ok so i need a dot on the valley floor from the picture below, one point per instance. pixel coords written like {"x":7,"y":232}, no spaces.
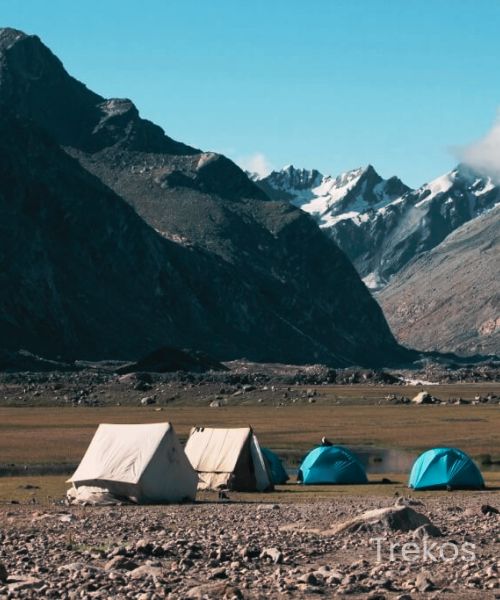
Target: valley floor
{"x":54,"y":428}
{"x":270,"y":545}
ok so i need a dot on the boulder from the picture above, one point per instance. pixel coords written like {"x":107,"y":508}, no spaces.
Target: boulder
{"x":424,"y":398}
{"x":391,"y":518}
{"x":147,"y":400}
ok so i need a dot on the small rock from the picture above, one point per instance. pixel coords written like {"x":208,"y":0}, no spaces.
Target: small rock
{"x":146,"y":571}
{"x":120,"y":562}
{"x":213,"y":590}
{"x":17,"y":584}
{"x":144,"y":547}
{"x":486,"y":509}
{"x":219,"y":573}
{"x":274,"y":554}
{"x":404,"y":501}
{"x":308,"y":578}
{"x":423,"y":583}
{"x":67,"y":518}
{"x":249,"y":552}
{"x":268,"y":506}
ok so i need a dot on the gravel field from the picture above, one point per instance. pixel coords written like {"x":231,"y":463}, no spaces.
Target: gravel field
{"x":248,"y":550}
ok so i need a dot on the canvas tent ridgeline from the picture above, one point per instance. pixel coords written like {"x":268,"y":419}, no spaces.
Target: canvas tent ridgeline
{"x":228,"y":459}
{"x":331,"y":465}
{"x":445,"y":468}
{"x":142,"y":463}
{"x":278,"y":472}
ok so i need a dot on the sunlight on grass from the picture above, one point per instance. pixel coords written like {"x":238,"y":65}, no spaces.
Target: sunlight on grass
{"x":59,"y":435}
{"x":46,"y":490}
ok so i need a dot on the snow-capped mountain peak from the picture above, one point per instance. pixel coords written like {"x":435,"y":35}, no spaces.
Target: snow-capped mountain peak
{"x":332,"y":199}
{"x":460,"y":181}
{"x":290,"y":179}
{"x":381,"y":224}
{"x":352,"y":176}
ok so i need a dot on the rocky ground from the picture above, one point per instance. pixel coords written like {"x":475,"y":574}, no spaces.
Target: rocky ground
{"x":242,"y":383}
{"x":248,"y":550}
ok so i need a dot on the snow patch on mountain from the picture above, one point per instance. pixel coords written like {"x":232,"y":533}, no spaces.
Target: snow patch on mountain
{"x":438,"y":186}
{"x":381,"y":224}
{"x":373,"y":281}
{"x":353,"y":195}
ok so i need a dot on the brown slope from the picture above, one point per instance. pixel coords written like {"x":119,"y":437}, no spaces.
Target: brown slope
{"x":448,"y":299}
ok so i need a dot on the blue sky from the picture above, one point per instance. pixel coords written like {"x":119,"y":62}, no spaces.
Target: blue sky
{"x":331,"y":84}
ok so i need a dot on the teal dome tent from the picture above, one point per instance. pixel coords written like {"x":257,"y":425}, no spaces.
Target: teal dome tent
{"x":278,"y":473}
{"x":331,"y":465}
{"x":445,"y":467}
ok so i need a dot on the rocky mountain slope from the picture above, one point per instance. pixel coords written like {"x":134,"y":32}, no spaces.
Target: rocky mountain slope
{"x":227,"y":271}
{"x":448,"y":299}
{"x":81,"y":274}
{"x":381,"y":224}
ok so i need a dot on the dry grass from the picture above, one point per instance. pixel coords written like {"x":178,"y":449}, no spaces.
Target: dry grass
{"x":46,"y":489}
{"x":53,"y":487}
{"x":56,"y":435}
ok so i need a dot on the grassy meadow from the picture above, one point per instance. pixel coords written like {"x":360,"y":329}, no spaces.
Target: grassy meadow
{"x":44,"y":434}
{"x":56,"y":435}
{"x":47,"y":488}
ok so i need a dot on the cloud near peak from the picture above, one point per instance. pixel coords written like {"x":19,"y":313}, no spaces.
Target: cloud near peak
{"x":256,"y":163}
{"x":483,"y":155}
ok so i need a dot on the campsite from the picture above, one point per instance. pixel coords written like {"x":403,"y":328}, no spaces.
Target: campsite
{"x":246,"y":544}
{"x":249,"y":300}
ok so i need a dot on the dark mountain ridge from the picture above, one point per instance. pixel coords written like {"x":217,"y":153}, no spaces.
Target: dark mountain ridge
{"x":227,"y":271}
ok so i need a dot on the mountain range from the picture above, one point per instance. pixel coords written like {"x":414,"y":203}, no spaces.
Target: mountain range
{"x":382,"y":224}
{"x":430,"y":255}
{"x":117,"y":239}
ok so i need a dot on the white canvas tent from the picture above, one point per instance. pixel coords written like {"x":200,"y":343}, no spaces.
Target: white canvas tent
{"x":143,"y":463}
{"x":228,"y":459}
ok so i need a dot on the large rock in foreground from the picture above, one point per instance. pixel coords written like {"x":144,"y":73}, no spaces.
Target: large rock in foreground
{"x":391,"y":518}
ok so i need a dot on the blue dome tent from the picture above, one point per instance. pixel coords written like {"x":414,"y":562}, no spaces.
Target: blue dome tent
{"x":278,"y":472}
{"x":445,"y":467}
{"x":331,"y":465}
